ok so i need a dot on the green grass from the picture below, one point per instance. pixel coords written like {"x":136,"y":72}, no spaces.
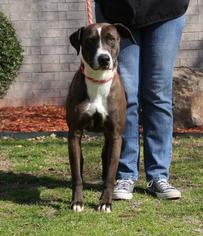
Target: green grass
{"x":35,"y":193}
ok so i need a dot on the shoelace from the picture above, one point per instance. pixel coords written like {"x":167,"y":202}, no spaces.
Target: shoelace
{"x":123,"y":184}
{"x":162,"y":183}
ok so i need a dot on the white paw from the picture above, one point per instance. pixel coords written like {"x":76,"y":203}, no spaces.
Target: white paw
{"x":105,"y":208}
{"x":77,"y":208}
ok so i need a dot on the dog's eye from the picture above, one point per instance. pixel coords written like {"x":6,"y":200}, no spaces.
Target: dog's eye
{"x":90,"y":41}
{"x":111,"y":42}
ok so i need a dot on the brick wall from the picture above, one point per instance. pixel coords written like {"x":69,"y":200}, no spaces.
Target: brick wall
{"x":191,"y":49}
{"x":49,"y":60}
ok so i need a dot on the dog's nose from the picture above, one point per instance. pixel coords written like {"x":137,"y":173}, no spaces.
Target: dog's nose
{"x":104,"y":60}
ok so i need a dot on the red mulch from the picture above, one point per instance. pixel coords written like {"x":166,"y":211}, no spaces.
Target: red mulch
{"x":192,"y":130}
{"x":44,"y":118}
{"x":27,"y":119}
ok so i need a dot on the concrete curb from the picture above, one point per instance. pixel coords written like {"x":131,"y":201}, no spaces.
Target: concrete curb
{"x":64,"y":134}
{"x":27,"y":135}
{"x":188,"y":135}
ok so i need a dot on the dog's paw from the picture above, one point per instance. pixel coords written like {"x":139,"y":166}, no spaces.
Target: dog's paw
{"x":77,"y":207}
{"x":105,"y":208}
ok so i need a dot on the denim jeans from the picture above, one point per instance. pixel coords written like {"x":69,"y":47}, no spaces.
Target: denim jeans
{"x":146,"y":69}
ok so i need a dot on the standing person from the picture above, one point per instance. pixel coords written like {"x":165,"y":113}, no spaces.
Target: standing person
{"x":146,"y":69}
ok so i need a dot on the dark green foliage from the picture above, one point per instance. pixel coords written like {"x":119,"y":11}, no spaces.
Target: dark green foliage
{"x":10,"y":54}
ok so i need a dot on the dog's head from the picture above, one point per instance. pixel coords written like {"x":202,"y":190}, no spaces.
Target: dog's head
{"x":100,"y":44}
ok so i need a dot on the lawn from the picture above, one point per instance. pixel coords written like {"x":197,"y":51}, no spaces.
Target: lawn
{"x":35,"y":193}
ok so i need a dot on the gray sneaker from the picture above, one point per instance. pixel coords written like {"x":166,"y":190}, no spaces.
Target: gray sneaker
{"x":162,"y":189}
{"x":123,"y":189}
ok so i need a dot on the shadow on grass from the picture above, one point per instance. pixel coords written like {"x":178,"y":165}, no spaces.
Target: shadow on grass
{"x":140,"y":190}
{"x":25,"y":188}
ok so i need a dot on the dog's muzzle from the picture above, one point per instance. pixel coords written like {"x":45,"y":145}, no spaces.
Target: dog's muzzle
{"x":104,"y":61}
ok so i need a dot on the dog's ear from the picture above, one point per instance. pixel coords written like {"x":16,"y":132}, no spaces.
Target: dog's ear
{"x":76,"y":38}
{"x":124,"y":32}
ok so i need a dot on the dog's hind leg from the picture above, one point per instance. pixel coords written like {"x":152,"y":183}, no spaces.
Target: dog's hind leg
{"x":75,"y":156}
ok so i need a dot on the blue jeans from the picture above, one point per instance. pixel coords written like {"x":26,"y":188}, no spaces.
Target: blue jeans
{"x":146,"y":69}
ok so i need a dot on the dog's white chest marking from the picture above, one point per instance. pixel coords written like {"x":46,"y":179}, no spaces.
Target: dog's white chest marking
{"x":98,"y":94}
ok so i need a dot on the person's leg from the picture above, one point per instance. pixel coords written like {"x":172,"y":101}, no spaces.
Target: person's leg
{"x":129,"y":67}
{"x":129,"y":70}
{"x":160,"y":44}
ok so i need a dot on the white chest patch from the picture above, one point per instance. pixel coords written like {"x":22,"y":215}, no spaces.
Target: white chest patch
{"x":98,"y":94}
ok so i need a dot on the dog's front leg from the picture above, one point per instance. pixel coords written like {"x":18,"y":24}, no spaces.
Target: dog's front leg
{"x":112,"y":164}
{"x":75,"y":164}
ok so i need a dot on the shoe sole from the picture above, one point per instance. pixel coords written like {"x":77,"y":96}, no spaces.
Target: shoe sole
{"x":166,"y":195}
{"x":122,"y":196}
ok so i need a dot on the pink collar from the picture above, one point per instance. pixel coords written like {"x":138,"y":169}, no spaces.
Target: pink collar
{"x":82,"y":68}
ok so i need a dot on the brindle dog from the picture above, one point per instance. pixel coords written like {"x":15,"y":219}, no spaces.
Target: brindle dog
{"x":96,"y":102}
